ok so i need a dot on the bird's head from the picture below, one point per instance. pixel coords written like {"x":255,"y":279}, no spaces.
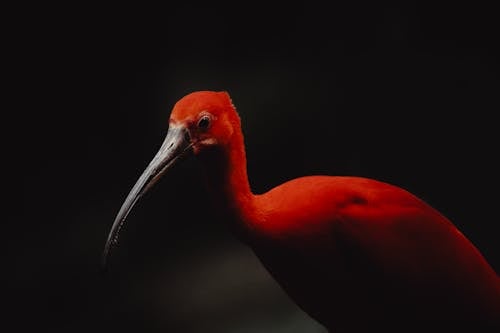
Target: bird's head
{"x":200,"y":121}
{"x":207,"y":119}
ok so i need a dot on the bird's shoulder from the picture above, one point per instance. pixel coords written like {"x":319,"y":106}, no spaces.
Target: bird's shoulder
{"x":314,"y":202}
{"x":337,"y":192}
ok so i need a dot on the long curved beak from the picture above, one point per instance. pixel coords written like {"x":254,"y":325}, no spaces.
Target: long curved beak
{"x":175,"y":146}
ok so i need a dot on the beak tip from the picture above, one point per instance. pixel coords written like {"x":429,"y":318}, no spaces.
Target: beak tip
{"x":105,"y":257}
{"x":104,"y":263}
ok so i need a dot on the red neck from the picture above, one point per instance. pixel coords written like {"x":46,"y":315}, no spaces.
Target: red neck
{"x":227,"y":180}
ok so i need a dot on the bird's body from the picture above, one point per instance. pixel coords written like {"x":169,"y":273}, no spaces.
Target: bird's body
{"x":356,"y":254}
{"x":373,"y":256}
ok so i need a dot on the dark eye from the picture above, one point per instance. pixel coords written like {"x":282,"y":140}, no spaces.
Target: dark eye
{"x":204,"y":122}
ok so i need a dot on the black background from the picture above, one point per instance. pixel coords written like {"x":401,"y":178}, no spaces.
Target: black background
{"x":407,"y":94}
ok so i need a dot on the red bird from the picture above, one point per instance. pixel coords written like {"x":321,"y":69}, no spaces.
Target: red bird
{"x":356,"y":254}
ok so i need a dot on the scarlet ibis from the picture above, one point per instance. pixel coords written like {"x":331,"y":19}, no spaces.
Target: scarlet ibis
{"x":356,"y":254}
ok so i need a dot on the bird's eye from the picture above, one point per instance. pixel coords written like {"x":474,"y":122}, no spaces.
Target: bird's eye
{"x":204,"y":122}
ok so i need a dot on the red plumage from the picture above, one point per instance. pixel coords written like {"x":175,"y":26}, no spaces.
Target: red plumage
{"x":356,"y":254}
